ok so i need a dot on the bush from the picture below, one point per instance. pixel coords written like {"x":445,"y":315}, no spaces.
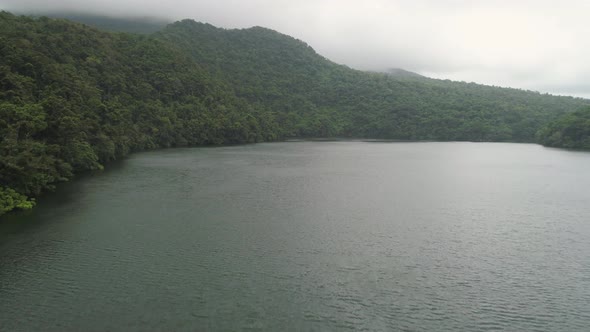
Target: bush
{"x":11,"y":200}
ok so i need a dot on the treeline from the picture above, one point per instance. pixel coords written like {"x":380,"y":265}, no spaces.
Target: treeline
{"x":571,"y":131}
{"x":73,"y":98}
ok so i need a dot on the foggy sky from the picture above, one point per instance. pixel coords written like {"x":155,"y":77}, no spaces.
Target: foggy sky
{"x":539,"y":45}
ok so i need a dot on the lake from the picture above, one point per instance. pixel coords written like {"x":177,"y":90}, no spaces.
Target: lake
{"x":308,"y":236}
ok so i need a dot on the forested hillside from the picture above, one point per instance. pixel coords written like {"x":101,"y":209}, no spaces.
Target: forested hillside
{"x":317,"y":97}
{"x":570,"y":131}
{"x":73,"y":98}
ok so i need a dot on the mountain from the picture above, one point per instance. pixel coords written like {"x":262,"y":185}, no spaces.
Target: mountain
{"x":316,"y":97}
{"x":73,"y":98}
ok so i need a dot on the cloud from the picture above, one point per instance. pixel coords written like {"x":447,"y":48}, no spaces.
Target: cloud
{"x":538,"y":45}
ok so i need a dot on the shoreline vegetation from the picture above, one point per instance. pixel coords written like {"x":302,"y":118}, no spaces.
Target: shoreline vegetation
{"x":74,"y":98}
{"x":570,"y":131}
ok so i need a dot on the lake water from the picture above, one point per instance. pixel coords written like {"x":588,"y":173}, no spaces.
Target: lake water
{"x":308,"y":236}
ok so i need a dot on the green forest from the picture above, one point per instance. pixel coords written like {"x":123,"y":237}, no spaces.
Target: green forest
{"x":571,"y":131}
{"x":73,"y":98}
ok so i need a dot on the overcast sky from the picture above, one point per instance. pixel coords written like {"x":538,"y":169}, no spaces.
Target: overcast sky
{"x":539,"y":45}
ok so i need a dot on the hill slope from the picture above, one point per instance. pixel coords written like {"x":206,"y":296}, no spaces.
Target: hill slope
{"x":570,"y":131}
{"x":73,"y":98}
{"x":318,"y":97}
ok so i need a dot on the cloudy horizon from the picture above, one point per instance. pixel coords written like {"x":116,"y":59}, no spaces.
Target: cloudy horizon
{"x":532,"y":45}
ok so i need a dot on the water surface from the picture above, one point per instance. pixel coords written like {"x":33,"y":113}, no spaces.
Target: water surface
{"x":308,"y":236}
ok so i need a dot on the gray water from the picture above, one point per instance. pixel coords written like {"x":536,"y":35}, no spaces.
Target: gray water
{"x":308,"y":236}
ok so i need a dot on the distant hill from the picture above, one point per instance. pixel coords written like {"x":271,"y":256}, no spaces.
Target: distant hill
{"x":73,"y":98}
{"x":316,"y":97}
{"x":140,"y":25}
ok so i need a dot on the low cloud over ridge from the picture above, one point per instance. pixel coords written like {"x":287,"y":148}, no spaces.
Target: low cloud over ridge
{"x":538,"y":45}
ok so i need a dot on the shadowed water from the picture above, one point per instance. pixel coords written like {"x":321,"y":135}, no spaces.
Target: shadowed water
{"x":308,"y":236}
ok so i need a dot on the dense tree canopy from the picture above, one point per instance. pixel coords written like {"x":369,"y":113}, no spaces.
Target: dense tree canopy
{"x":73,"y":98}
{"x":570,"y":131}
{"x":316,"y":97}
